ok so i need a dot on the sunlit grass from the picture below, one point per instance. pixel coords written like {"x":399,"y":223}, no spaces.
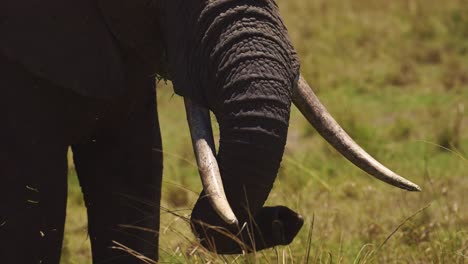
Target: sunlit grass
{"x":395,"y":75}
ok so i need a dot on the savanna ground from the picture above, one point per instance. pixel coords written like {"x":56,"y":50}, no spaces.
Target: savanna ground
{"x":395,"y":75}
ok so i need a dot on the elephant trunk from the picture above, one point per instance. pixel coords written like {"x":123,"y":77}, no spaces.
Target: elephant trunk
{"x":250,"y":93}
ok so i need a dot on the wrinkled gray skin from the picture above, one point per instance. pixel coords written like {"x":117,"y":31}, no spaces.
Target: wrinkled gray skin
{"x":232,"y":56}
{"x":249,"y":67}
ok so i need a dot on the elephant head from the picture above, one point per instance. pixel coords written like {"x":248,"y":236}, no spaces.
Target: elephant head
{"x":235,"y":59}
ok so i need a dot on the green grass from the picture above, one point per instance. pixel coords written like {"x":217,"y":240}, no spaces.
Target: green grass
{"x":395,"y":75}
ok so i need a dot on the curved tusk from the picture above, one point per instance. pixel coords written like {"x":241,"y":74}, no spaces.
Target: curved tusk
{"x":198,"y":119}
{"x":310,"y":106}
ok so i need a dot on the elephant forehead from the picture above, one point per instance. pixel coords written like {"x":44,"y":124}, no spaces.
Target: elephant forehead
{"x":64,"y":41}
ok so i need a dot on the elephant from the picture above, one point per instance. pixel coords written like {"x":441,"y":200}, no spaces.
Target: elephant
{"x":81,"y":74}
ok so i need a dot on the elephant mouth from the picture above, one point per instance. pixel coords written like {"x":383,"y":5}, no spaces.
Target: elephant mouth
{"x":317,"y":115}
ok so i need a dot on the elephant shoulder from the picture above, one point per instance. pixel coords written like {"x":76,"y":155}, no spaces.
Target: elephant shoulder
{"x":64,"y":41}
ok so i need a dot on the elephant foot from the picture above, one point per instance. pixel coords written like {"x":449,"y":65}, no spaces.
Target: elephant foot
{"x":271,"y":226}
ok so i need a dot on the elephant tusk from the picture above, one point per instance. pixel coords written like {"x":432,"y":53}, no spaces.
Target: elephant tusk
{"x":318,"y":116}
{"x":198,"y":119}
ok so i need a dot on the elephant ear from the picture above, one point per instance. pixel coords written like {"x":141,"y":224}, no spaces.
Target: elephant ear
{"x":135,"y":25}
{"x":64,"y":41}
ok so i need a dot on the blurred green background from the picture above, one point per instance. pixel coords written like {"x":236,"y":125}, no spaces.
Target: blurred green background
{"x":395,"y":75}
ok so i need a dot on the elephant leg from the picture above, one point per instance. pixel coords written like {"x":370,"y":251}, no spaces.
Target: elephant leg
{"x":33,"y":193}
{"x":37,"y":122}
{"x":120,"y":172}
